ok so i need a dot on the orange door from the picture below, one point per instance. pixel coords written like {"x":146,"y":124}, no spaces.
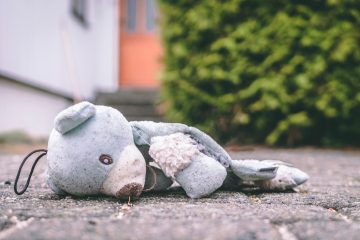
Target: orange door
{"x":140,"y":49}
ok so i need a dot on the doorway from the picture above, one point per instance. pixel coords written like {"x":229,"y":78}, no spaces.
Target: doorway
{"x":140,"y":48}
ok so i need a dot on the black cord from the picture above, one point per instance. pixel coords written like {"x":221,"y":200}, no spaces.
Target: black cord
{"x":154,"y":179}
{"x":44,"y":152}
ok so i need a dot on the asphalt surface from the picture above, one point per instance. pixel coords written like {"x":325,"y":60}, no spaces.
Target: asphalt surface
{"x":326,"y":207}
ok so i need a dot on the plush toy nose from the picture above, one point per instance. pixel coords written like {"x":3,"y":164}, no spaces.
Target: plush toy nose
{"x":127,"y":177}
{"x":130,"y":190}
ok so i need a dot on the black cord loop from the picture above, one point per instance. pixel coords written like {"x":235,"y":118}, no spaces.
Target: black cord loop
{"x":44,"y":152}
{"x":154,"y":179}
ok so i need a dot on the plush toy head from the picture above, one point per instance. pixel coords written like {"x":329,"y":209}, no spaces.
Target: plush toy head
{"x":91,"y":151}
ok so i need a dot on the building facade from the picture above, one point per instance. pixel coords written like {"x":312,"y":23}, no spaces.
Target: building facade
{"x":54,"y":53}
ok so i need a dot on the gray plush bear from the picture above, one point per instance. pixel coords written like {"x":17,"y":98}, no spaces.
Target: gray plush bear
{"x":94,"y":150}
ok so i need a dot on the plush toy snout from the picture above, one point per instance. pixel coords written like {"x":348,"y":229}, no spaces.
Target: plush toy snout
{"x":127,"y":177}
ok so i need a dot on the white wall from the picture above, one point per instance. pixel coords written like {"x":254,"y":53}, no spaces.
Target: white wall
{"x":29,"y":110}
{"x":40,"y":41}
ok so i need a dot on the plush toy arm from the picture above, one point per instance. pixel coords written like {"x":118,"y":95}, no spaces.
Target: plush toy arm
{"x":143,"y":131}
{"x":179,"y":157}
{"x":209,"y":147}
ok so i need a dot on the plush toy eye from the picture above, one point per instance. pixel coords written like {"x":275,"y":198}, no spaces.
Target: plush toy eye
{"x":105,"y":159}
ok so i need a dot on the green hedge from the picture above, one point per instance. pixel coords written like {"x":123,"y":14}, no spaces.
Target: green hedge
{"x":274,"y":72}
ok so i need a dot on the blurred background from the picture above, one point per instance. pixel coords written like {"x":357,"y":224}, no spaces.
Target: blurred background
{"x":247,"y":72}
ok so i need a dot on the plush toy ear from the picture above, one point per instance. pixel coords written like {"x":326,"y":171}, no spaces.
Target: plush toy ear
{"x":73,"y":116}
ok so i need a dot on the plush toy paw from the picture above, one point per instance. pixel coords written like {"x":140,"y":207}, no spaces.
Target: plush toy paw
{"x":179,"y":157}
{"x":202,"y":177}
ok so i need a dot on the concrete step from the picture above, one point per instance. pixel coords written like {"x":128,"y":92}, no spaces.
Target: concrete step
{"x":135,"y":104}
{"x":129,"y":96}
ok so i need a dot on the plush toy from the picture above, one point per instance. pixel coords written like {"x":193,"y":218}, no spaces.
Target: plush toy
{"x":94,"y":150}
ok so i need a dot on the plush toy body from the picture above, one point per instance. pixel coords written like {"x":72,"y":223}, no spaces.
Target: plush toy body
{"x":95,"y":150}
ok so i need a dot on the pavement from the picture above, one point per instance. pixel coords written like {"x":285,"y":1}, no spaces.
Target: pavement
{"x":326,"y":207}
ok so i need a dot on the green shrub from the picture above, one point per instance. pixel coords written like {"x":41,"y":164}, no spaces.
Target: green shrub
{"x":274,"y":72}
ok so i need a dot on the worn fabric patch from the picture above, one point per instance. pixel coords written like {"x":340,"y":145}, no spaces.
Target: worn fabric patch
{"x":173,"y":152}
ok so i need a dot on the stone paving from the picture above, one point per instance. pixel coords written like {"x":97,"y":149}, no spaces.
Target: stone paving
{"x":327,"y":207}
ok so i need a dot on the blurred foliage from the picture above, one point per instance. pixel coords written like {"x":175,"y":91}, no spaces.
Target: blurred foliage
{"x":16,"y":136}
{"x":274,"y":72}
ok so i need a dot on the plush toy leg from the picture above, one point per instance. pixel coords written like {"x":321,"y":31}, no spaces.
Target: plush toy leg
{"x":267,"y":174}
{"x":287,"y":177}
{"x":202,"y":177}
{"x":241,"y":173}
{"x":253,"y":170}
